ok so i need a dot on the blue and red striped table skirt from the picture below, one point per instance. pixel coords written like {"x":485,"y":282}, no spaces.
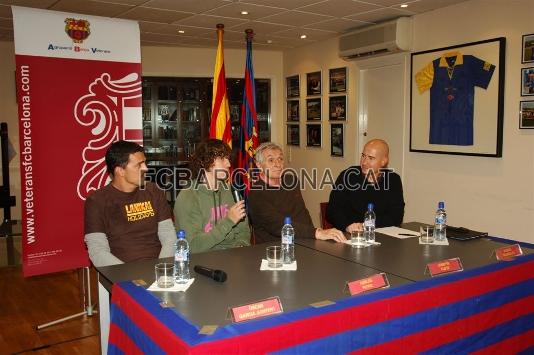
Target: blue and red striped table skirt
{"x":484,"y":310}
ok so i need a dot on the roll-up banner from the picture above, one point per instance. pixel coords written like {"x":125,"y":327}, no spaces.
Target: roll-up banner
{"x":78,"y":90}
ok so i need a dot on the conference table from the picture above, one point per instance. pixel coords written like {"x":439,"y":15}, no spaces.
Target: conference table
{"x":407,"y":258}
{"x":489,"y":306}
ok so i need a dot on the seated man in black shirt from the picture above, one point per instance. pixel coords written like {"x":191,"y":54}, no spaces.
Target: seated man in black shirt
{"x":370,"y":182}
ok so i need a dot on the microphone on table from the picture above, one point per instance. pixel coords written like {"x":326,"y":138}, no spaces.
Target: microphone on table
{"x":217,"y":275}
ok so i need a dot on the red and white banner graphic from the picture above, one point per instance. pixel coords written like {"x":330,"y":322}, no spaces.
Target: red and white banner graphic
{"x":78,"y":90}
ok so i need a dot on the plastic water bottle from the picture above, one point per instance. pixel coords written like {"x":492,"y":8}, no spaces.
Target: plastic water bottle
{"x":181,"y":258}
{"x":440,"y":223}
{"x":288,"y":242}
{"x":369,"y":223}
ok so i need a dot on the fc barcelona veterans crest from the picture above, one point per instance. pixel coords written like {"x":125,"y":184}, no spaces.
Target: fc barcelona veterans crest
{"x":77,"y":29}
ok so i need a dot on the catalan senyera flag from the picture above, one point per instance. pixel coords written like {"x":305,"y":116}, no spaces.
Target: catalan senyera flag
{"x":221,"y":127}
{"x":248,"y":140}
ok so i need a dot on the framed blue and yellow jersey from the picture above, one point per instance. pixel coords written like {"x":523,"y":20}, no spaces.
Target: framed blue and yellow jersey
{"x":452,"y":79}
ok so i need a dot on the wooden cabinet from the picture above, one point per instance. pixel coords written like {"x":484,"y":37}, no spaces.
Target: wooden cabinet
{"x":176,"y":114}
{"x":175,"y":117}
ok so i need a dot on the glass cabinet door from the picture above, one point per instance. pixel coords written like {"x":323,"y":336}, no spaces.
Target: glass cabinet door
{"x":192,"y":105}
{"x":147,"y":116}
{"x":176,"y":114}
{"x":263,"y":108}
{"x":166,"y":131}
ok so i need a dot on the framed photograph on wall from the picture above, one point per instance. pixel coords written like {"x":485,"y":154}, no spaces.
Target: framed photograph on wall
{"x":293,"y":86}
{"x":457,"y":99}
{"x":293,"y":134}
{"x":337,"y":108}
{"x":527,"y":54}
{"x":313,"y":83}
{"x":526,"y":114}
{"x":527,"y":81}
{"x":313,"y":135}
{"x":336,"y":140}
{"x":338,"y":80}
{"x":293,"y":110}
{"x":313,"y":109}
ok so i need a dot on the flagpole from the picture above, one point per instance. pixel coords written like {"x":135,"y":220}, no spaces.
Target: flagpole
{"x":248,"y":140}
{"x":220,"y":127}
{"x":249,"y":34}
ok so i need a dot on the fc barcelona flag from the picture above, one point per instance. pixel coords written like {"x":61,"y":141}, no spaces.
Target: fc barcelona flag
{"x":220,"y":114}
{"x":248,"y":141}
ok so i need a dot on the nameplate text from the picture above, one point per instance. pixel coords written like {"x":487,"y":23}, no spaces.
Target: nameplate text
{"x":445,"y":266}
{"x":508,"y":252}
{"x":369,"y":283}
{"x":255,"y":310}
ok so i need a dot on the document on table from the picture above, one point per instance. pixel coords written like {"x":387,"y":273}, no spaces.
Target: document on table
{"x":397,"y":232}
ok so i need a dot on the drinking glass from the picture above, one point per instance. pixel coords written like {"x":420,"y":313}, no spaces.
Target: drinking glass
{"x":357,"y":239}
{"x":165,"y":275}
{"x":427,"y":234}
{"x":274,"y":256}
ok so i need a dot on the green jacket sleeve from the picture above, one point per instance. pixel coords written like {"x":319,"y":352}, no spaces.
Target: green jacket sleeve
{"x":242,"y":233}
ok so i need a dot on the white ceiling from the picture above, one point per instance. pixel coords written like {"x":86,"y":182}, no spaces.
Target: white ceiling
{"x":277,"y":24}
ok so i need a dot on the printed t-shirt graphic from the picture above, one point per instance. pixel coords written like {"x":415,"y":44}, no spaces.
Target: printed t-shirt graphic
{"x":452,"y":79}
{"x":139,"y":210}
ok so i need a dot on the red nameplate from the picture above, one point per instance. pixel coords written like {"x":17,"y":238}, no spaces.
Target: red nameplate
{"x":256,"y":309}
{"x":368,"y":284}
{"x":445,"y":266}
{"x":509,"y":252}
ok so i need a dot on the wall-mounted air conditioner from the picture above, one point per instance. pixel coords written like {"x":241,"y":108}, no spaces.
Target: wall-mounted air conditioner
{"x":384,"y":38}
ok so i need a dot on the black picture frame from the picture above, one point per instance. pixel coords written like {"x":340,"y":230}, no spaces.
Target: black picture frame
{"x":336,"y":139}
{"x":337,"y":108}
{"x":313,"y":83}
{"x":313,"y":135}
{"x":486,"y":118}
{"x":527,"y":49}
{"x":293,"y":110}
{"x":526,"y":115}
{"x":313,"y":109}
{"x":293,"y":134}
{"x":293,"y":86}
{"x":527,"y":81}
{"x":338,"y":80}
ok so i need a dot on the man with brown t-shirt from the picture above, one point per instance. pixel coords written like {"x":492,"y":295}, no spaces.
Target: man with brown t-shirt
{"x":128,"y":219}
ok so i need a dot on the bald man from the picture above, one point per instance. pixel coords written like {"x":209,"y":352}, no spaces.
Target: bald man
{"x":370,"y":182}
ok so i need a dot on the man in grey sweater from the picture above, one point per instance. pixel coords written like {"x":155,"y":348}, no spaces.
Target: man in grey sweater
{"x":128,"y":219}
{"x":270,"y":201}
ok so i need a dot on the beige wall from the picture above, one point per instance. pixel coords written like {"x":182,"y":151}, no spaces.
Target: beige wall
{"x":194,"y":62}
{"x":321,"y":56}
{"x":490,"y":194}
